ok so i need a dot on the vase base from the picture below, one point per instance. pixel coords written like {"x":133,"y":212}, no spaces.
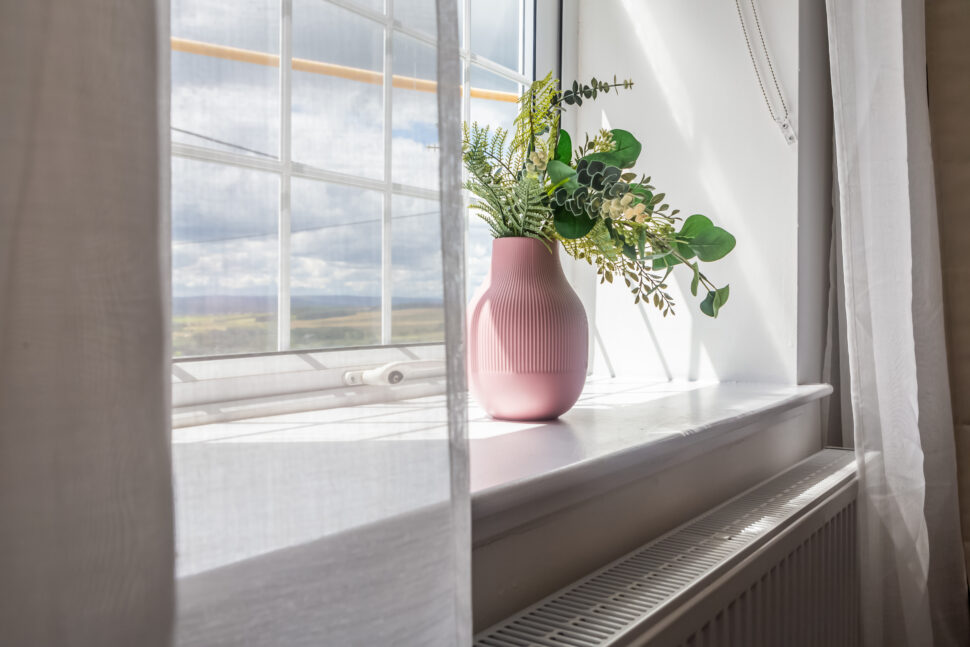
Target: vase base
{"x":527,"y":397}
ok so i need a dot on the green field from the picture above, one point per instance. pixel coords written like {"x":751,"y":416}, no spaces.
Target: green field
{"x":314,"y":327}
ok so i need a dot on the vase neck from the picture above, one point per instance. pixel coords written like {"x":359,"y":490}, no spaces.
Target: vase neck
{"x":517,"y":256}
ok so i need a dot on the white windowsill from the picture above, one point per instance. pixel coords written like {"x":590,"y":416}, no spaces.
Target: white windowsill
{"x":619,"y":430}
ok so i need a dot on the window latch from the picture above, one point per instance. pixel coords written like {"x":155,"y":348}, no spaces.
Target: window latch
{"x":395,"y":373}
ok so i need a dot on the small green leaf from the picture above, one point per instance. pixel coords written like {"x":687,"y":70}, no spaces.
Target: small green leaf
{"x":712,"y":244}
{"x":714,"y":300}
{"x":564,"y":149}
{"x":642,"y":242}
{"x":558,"y":171}
{"x":694,"y":225}
{"x":571,"y":227}
{"x":696,"y":280}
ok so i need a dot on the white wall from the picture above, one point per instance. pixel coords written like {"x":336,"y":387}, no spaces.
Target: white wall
{"x":711,"y":146}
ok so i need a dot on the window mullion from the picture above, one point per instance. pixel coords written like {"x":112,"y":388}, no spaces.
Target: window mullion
{"x":286,"y":69}
{"x":466,"y":109}
{"x":386,"y":260}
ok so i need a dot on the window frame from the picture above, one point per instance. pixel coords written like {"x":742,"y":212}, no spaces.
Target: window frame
{"x":286,"y":169}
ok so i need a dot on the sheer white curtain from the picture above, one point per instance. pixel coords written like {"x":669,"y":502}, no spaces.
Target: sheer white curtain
{"x":86,"y":545}
{"x":333,"y":530}
{"x":343,"y":526}
{"x":914,"y":587}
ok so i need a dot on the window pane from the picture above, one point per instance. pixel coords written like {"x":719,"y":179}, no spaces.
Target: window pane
{"x":419,"y":15}
{"x":373,"y":5}
{"x":414,"y":148}
{"x":417,"y":313}
{"x":496,"y":31}
{"x":493,"y":103}
{"x":247,"y":24}
{"x":337,"y":121}
{"x":224,"y":259}
{"x":493,"y":98}
{"x":225,"y":105}
{"x":335,"y":265}
{"x":218,"y":100}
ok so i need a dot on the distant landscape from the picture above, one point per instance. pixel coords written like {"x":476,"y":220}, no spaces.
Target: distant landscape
{"x":221,"y":325}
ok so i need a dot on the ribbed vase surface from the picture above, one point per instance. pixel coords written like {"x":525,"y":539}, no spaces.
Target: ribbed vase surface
{"x":527,"y":334}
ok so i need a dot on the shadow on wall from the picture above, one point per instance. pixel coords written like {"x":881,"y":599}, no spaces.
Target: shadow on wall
{"x":711,"y":146}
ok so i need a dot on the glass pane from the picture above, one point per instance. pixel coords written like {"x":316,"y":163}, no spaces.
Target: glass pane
{"x":493,"y":102}
{"x":224,"y":259}
{"x":496,"y":31}
{"x":247,"y":24}
{"x":224,"y":96}
{"x":335,"y":265}
{"x":337,"y":99}
{"x":374,"y":5}
{"x":225,"y":105}
{"x":478,"y":253}
{"x":417,"y":311}
{"x":419,"y":15}
{"x":414,"y":148}
{"x":494,"y":99}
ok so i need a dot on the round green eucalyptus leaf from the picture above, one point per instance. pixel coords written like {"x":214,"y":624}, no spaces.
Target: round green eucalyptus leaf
{"x":570,"y":225}
{"x":712,"y":244}
{"x":694,"y":225}
{"x":626,"y":150}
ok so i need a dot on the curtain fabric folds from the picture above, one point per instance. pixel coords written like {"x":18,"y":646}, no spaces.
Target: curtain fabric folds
{"x":281,"y":539}
{"x":914,"y":588}
{"x":285,"y":539}
{"x":86,"y":546}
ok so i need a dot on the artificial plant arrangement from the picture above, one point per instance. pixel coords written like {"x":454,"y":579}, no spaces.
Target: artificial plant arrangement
{"x":534,"y":183}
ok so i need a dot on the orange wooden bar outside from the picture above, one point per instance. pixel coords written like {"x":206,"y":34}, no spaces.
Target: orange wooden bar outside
{"x":329,"y":69}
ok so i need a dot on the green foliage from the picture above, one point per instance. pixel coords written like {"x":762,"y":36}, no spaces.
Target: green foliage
{"x":535,"y":184}
{"x":578,"y":91}
{"x":564,"y":146}
{"x":626,"y":150}
{"x":562,"y":176}
{"x":712,"y":244}
{"x":538,"y":115}
{"x":571,"y":226}
{"x":511,"y":206}
{"x":714,"y":300}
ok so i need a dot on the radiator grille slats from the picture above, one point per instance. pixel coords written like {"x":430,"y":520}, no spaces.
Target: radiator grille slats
{"x":807,"y":598}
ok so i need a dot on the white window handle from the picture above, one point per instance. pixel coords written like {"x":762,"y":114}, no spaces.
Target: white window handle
{"x":395,"y":373}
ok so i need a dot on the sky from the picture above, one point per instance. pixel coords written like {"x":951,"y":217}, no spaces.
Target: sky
{"x":224,"y":225}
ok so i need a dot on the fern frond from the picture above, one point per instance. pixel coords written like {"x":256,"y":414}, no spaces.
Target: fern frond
{"x":537,"y":116}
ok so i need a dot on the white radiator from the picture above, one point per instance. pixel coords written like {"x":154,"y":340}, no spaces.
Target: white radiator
{"x":774,"y":566}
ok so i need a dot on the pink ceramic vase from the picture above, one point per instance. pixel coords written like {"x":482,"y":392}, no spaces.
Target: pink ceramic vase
{"x":527,"y":334}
